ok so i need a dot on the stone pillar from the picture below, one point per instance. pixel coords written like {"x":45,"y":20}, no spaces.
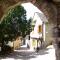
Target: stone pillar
{"x":57,"y":41}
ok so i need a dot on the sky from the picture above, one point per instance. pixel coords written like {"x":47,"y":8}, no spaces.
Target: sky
{"x":30,"y":9}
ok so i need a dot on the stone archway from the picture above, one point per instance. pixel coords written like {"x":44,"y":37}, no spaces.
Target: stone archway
{"x":48,"y":8}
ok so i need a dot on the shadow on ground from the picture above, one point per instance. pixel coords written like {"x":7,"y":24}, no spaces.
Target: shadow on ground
{"x":24,"y":54}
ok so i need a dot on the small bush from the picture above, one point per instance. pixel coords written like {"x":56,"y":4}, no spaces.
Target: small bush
{"x":7,"y":49}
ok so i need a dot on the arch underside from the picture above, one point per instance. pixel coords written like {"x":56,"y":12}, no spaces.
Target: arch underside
{"x":47,"y":8}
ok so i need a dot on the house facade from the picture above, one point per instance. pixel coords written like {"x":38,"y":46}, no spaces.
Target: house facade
{"x":37,"y":36}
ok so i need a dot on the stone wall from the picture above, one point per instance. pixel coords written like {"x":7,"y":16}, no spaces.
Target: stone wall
{"x":17,"y":43}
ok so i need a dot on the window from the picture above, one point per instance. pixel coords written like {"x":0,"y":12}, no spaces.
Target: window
{"x":39,"y":28}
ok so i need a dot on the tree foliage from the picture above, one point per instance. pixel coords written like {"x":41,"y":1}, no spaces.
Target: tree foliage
{"x":29,"y":26}
{"x":14,"y":24}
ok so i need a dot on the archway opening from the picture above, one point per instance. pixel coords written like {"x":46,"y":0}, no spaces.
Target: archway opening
{"x":40,"y":25}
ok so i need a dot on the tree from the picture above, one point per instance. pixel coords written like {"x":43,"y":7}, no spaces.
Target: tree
{"x":13,"y":24}
{"x":29,"y":26}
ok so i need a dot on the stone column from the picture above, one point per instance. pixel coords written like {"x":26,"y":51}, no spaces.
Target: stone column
{"x":57,"y":41}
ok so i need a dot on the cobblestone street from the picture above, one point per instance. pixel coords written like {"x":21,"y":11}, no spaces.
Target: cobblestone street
{"x":26,"y":54}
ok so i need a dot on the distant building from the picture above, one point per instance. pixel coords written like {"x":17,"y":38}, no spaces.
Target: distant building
{"x":38,"y":33}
